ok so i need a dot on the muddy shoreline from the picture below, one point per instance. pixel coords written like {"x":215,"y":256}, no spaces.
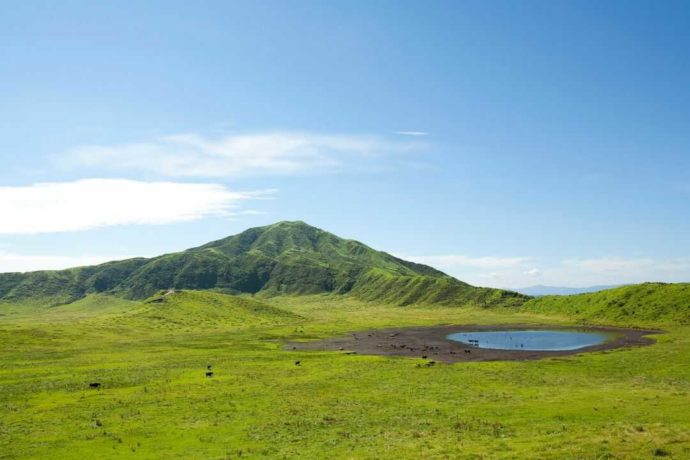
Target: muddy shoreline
{"x":430,"y":343}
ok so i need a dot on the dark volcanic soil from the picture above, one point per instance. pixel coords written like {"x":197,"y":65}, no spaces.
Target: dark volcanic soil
{"x":431,"y":342}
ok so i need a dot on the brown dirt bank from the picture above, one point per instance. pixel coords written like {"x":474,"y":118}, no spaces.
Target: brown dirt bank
{"x":431,"y":342}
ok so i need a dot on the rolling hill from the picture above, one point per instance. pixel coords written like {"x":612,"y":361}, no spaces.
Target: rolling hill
{"x":646,"y":301}
{"x":286,"y":258}
{"x":205,"y":309}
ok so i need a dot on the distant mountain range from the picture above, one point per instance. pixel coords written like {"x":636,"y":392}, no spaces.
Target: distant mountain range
{"x":541,"y":290}
{"x":286,"y":258}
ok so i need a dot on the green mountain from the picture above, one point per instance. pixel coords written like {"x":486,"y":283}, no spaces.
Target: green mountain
{"x":290,"y":258}
{"x":647,"y":301}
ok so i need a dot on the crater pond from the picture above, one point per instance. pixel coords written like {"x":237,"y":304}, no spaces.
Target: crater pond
{"x":452,"y":343}
{"x":531,"y":340}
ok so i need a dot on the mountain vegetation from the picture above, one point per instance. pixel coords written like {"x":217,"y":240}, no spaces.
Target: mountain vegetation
{"x":296,"y":259}
{"x":205,"y":309}
{"x":286,"y":258}
{"x":647,"y":302}
{"x":185,"y":369}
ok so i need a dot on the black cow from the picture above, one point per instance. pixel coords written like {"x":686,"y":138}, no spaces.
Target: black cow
{"x":209,"y":374}
{"x":94,"y":385}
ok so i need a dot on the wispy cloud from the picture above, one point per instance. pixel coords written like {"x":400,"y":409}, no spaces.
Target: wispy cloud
{"x":517,"y":272}
{"x":450,"y":261}
{"x":276,"y":153}
{"x":10,"y":262}
{"x":628,"y":266}
{"x":412,"y":133}
{"x":92,"y":203}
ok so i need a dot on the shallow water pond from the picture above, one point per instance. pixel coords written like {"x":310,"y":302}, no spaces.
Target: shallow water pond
{"x":531,"y":340}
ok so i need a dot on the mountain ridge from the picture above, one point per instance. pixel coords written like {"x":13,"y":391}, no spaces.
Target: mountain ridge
{"x":288,"y":257}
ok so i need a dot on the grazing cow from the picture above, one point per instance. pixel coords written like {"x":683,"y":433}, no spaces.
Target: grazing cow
{"x":467,"y":352}
{"x":208,"y":367}
{"x":424,"y":357}
{"x":94,"y":385}
{"x":298,"y":363}
{"x":209,"y":374}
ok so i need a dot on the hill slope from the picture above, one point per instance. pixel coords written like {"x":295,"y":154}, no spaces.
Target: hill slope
{"x":206,"y":309}
{"x":284,"y":258}
{"x":647,"y":301}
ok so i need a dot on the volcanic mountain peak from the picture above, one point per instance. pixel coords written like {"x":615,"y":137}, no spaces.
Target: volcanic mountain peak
{"x":283,"y":258}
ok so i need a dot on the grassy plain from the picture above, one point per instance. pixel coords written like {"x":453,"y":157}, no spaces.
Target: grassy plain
{"x":155,"y":401}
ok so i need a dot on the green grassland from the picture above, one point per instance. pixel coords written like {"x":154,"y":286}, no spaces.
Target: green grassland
{"x":151,"y":357}
{"x":146,"y":330}
{"x":634,"y":304}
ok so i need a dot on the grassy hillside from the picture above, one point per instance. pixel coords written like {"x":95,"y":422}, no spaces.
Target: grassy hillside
{"x":285,"y":258}
{"x":649,"y":302}
{"x":293,"y":258}
{"x":156,"y":402}
{"x":205,"y":309}
{"x":380,"y":286}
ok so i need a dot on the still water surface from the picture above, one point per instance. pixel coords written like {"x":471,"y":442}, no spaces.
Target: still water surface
{"x":531,"y":340}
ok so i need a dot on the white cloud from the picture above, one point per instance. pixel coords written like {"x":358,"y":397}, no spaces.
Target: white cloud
{"x":192,"y":155}
{"x":492,"y":276}
{"x":451,"y":261}
{"x":412,"y":133}
{"x":630,"y":267}
{"x":609,"y":264}
{"x":92,"y":203}
{"x":25,"y":263}
{"x":533,"y":272}
{"x":518,"y":272}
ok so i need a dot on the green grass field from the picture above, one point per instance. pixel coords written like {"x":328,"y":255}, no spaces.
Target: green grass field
{"x":155,"y":401}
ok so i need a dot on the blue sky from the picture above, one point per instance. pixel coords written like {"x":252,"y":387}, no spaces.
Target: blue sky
{"x":507,"y":143}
